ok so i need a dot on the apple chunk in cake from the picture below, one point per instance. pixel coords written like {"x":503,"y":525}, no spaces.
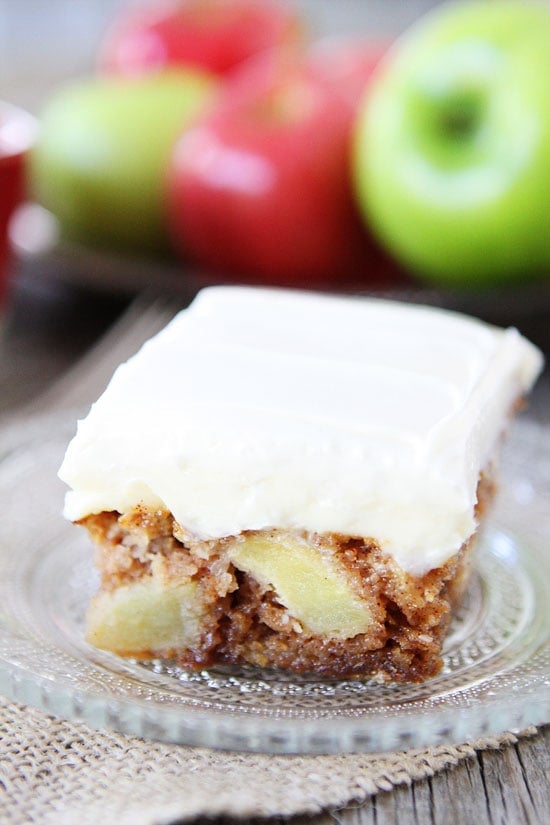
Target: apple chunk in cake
{"x":292,"y":480}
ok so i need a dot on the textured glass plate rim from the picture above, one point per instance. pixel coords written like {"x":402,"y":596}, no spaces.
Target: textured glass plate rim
{"x":466,"y":719}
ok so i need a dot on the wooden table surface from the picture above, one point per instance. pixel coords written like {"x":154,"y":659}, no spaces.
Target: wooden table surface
{"x":51,"y":324}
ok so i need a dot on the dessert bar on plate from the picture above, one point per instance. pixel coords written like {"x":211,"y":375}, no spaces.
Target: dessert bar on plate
{"x":295,"y":481}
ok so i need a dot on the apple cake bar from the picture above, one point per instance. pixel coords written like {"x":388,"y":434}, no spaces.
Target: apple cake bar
{"x":295,"y":481}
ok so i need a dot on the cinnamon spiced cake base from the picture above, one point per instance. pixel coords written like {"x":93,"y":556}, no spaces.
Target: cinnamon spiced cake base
{"x":325,"y":603}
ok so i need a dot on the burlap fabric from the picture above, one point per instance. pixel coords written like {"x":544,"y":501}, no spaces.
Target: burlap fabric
{"x":55,"y":772}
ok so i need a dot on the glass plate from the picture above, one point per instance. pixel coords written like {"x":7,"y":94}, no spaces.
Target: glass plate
{"x":496,"y":664}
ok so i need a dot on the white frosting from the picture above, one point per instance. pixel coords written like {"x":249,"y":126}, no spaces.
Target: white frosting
{"x":270,"y":408}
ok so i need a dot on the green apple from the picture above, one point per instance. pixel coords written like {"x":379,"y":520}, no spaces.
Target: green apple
{"x":100,"y":161}
{"x":452,"y":147}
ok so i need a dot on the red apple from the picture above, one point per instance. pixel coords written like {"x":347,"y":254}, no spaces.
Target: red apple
{"x":260,"y":190}
{"x":217,"y":35}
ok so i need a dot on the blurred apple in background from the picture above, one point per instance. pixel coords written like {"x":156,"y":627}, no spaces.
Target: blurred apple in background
{"x":99,"y":162}
{"x":260,"y":190}
{"x":216,"y":35}
{"x":452,"y":151}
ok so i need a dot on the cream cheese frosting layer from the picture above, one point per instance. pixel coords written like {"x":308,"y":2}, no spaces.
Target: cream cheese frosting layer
{"x":258,"y":408}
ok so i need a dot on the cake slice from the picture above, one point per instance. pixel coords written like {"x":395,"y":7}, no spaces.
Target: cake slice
{"x":294,"y":480}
